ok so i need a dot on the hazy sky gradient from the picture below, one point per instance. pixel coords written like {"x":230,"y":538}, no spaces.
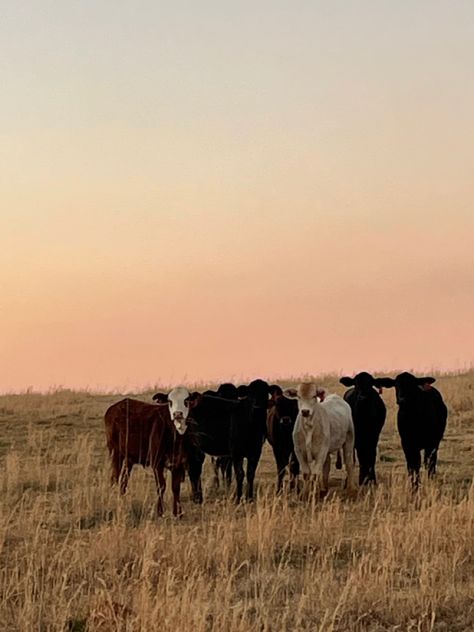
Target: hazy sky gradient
{"x":223,"y":190}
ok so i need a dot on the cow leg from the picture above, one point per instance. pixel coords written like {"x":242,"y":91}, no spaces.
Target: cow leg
{"x":125,"y":475}
{"x":413,"y":459}
{"x":325,"y":480}
{"x":226,"y":467}
{"x":305,"y":472}
{"x":215,"y":467}
{"x":363,"y":466}
{"x":239,"y":477}
{"x":195,"y":462}
{"x":366,"y":456}
{"x":371,"y":458}
{"x":281,"y":461}
{"x":160,"y":480}
{"x":316,"y":467}
{"x":252,"y":463}
{"x":177,"y":477}
{"x":294,"y":470}
{"x":431,"y":458}
{"x":348,"y":456}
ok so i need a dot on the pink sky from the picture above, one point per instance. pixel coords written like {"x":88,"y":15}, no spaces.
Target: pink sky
{"x":176,"y":207}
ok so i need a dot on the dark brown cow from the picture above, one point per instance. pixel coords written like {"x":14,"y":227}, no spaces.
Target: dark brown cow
{"x":281,"y":417}
{"x":139,"y":433}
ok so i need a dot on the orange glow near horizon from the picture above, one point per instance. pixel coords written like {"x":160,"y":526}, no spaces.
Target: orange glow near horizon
{"x":176,"y":208}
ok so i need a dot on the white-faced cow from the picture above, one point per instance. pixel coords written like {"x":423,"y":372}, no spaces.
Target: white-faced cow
{"x":422,"y":417}
{"x":139,"y":433}
{"x":321,"y":428}
{"x":368,"y":415}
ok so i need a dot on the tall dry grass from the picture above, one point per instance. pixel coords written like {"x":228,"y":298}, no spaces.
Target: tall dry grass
{"x":76,"y":556}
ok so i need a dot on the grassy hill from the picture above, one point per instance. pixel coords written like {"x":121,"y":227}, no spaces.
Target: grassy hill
{"x":75,"y":556}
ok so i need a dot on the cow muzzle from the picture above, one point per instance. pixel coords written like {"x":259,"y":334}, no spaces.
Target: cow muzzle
{"x":180,"y":425}
{"x":305,"y":413}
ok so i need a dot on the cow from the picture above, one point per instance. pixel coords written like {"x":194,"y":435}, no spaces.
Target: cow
{"x":421,"y":419}
{"x":140,"y":433}
{"x":368,"y":416}
{"x":281,"y":417}
{"x":223,"y":464}
{"x":323,"y":426}
{"x":229,"y":428}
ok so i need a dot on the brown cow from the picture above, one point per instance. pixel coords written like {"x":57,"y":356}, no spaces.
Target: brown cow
{"x":145,"y":434}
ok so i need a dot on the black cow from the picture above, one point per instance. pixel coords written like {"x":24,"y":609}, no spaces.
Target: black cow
{"x":368,"y":415}
{"x":223,"y":464}
{"x":422,"y":417}
{"x":281,"y":417}
{"x":229,"y":428}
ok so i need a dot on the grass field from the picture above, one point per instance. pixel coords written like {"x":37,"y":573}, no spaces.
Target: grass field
{"x":76,"y":556}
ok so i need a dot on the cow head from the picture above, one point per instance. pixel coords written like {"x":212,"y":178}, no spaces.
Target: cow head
{"x":407,"y":386}
{"x":286,"y":411}
{"x":242,"y":391}
{"x":180,"y":401}
{"x":227,"y":391}
{"x":363,"y":383}
{"x":275,"y":392}
{"x":258,"y":391}
{"x":307,"y":394}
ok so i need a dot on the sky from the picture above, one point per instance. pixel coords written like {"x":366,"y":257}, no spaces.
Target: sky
{"x":195,"y":191}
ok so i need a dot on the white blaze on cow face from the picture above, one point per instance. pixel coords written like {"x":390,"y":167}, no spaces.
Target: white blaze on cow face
{"x":178,"y":400}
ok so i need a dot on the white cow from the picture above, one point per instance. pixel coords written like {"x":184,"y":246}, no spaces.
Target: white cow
{"x":322,"y":427}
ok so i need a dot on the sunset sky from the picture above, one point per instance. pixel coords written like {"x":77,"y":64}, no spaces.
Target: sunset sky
{"x":224,"y":190}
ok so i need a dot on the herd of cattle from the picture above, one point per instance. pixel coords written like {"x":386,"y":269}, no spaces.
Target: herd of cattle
{"x":304,"y":426}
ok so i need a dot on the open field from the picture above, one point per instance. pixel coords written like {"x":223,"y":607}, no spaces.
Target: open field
{"x":75,"y":556}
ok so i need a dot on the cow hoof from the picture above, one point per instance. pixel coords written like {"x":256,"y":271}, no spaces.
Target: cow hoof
{"x":197,"y":499}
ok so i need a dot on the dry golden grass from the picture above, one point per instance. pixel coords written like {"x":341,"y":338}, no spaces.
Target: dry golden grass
{"x":75,"y":556}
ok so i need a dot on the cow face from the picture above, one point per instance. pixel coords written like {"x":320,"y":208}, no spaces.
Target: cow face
{"x":179,"y":403}
{"x":286,"y":411}
{"x":363,"y":384}
{"x":258,"y":391}
{"x":307,"y":395}
{"x":363,"y":381}
{"x":407,"y":386}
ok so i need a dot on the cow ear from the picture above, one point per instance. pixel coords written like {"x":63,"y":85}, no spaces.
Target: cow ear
{"x":321,"y":393}
{"x":160,"y":398}
{"x":425,"y":380}
{"x":347,"y":381}
{"x":385,"y":382}
{"x":194,"y":399}
{"x":274,"y":389}
{"x":290,"y":392}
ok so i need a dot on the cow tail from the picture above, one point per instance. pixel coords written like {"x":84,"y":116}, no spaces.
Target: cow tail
{"x":112,"y":440}
{"x":111,"y":436}
{"x":338,"y":460}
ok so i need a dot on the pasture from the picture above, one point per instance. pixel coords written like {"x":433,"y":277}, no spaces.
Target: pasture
{"x":75,"y":556}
